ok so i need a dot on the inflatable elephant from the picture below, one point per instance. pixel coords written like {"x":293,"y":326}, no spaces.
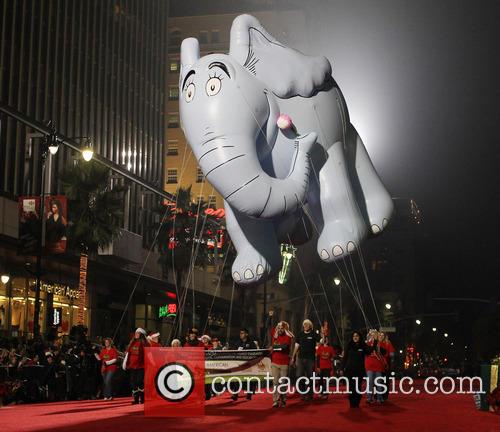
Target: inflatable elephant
{"x":316,"y":174}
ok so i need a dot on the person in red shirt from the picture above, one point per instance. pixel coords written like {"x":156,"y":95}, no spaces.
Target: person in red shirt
{"x":154,"y":340}
{"x":375,"y":366}
{"x":207,"y":342}
{"x":134,"y":361}
{"x":325,"y":354}
{"x":193,"y":341}
{"x":108,"y":357}
{"x":386,"y":344}
{"x":281,"y":341}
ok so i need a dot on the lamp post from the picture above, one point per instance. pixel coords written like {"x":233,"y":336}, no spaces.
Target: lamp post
{"x":48,"y":145}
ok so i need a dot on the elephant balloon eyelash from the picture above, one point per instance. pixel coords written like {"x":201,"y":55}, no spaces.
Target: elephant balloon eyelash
{"x":216,"y":76}
{"x":187,"y":84}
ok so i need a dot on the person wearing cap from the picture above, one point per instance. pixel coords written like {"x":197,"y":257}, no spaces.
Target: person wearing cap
{"x":206,"y":341}
{"x":154,"y":340}
{"x":216,"y":344}
{"x":134,"y":361}
{"x":108,"y":357}
{"x":193,"y":341}
{"x":176,"y":343}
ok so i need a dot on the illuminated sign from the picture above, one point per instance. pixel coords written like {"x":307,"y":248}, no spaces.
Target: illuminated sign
{"x":57,"y":289}
{"x":288,"y":254}
{"x":57,"y":317}
{"x":169,"y":310}
{"x":82,"y":287}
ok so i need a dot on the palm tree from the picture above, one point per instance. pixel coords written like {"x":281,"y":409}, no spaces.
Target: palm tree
{"x":187,"y":237}
{"x":95,"y":213}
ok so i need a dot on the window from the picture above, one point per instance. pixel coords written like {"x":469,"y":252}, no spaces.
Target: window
{"x":175,"y":38}
{"x":203,"y":37}
{"x":199,"y":200}
{"x":173,"y":93}
{"x":173,"y":120}
{"x":172,"y":175}
{"x":174,"y":66}
{"x":212,"y":201}
{"x":172,"y":147}
{"x":200,"y":178}
{"x":215,"y":36}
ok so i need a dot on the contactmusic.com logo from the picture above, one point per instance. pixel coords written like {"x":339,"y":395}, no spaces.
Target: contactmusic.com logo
{"x":174,"y":382}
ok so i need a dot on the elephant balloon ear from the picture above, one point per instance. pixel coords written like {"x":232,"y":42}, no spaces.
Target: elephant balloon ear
{"x":286,"y":72}
{"x":190,"y":54}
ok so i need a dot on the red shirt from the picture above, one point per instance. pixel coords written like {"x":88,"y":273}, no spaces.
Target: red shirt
{"x":325,"y":355}
{"x":135,"y":355}
{"x":281,"y":357}
{"x":105,"y":355}
{"x":200,"y":344}
{"x":389,"y":348}
{"x":375,"y":361}
{"x":154,"y":344}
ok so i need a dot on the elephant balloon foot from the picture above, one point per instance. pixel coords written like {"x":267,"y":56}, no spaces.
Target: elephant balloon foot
{"x":249,"y":267}
{"x":377,"y":228}
{"x":336,"y":242}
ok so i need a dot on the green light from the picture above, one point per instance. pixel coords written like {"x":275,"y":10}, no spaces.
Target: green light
{"x":169,"y":310}
{"x":288,"y":254}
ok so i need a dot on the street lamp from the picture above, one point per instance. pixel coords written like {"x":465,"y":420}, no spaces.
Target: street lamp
{"x":87,"y":152}
{"x":388,"y":306}
{"x":336,"y":281}
{"x":434,"y":329}
{"x":418,"y":322}
{"x":5,"y":278}
{"x":446,"y":335}
{"x":53,"y":144}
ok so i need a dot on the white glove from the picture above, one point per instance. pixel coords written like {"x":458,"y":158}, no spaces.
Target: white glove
{"x":124,"y":363}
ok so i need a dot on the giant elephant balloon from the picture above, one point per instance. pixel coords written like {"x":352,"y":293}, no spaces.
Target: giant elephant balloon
{"x":274,"y":180}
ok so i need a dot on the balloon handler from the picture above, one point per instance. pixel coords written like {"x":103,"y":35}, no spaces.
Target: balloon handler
{"x":134,"y":361}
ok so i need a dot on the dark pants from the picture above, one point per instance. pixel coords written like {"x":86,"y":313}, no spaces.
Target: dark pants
{"x":107,"y":378}
{"x":305,"y":368}
{"x":324,"y":374}
{"x":355,"y":383}
{"x":137,"y":384}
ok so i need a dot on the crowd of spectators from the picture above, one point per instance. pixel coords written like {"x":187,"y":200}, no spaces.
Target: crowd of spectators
{"x":34,"y":370}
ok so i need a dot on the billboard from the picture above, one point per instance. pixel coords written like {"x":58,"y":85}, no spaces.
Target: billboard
{"x":55,"y":218}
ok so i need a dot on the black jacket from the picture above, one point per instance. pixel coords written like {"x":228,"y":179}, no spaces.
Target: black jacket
{"x":353,"y":362}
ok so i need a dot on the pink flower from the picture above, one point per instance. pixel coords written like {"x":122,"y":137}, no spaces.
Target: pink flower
{"x":284,"y":121}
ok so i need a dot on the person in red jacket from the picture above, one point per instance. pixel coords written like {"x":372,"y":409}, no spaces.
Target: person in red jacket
{"x":108,"y":357}
{"x":386,"y":344}
{"x":193,"y":341}
{"x":134,"y":361}
{"x":154,"y":340}
{"x":281,"y":341}
{"x":325,"y":354}
{"x":206,"y":340}
{"x":375,"y":366}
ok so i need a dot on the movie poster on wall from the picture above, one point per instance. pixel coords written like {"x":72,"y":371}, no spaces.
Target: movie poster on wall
{"x":29,"y":225}
{"x":56,"y":223}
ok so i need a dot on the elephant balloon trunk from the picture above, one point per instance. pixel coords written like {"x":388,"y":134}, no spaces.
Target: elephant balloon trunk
{"x":250,"y":190}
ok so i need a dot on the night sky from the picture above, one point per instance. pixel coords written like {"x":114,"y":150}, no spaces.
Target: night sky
{"x":421,"y":80}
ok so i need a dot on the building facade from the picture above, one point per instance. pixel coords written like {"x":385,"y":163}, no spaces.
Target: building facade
{"x":97,"y":70}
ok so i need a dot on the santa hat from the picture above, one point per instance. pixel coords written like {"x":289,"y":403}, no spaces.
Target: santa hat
{"x":207,"y":337}
{"x":140,"y":330}
{"x":154,"y":335}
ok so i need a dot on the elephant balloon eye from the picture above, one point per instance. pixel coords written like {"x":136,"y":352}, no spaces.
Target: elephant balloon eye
{"x":213,"y":86}
{"x":189,"y":95}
